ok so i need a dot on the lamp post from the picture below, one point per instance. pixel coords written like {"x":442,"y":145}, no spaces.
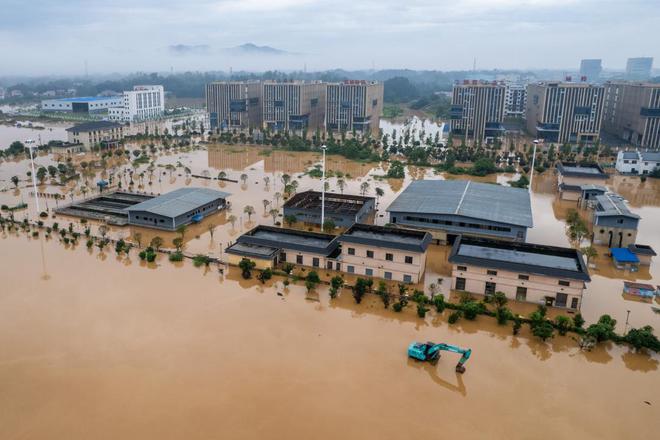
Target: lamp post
{"x":30,"y":145}
{"x":531,"y":171}
{"x":323,"y":148}
{"x":625,"y":331}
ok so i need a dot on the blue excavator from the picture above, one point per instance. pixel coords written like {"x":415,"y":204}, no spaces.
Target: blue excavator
{"x":430,"y":352}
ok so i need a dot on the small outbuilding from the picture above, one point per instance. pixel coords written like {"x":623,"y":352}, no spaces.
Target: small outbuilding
{"x":343,"y":209}
{"x":624,"y":259}
{"x":644,"y":252}
{"x":571,"y":177}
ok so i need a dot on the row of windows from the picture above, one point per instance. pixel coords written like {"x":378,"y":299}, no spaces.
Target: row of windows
{"x":388,"y":256}
{"x":459,"y":224}
{"x":387,"y":275}
{"x":520,"y":276}
{"x":560,"y":300}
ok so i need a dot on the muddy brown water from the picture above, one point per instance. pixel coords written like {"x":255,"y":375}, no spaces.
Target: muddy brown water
{"x":96,"y":346}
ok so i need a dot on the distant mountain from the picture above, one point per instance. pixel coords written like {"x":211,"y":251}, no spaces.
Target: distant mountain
{"x":185,"y":49}
{"x":253,"y":49}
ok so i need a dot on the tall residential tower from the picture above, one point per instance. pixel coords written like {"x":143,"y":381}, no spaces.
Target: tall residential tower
{"x":354,"y":105}
{"x":632,"y":112}
{"x":234,"y":104}
{"x":477,"y":110}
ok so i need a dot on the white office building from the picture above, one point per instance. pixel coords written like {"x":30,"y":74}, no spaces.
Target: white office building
{"x":637,"y":162}
{"x":140,"y":104}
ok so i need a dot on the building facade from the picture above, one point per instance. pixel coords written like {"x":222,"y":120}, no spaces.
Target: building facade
{"x":90,"y":104}
{"x":572,"y":178}
{"x":614,"y":225}
{"x":516,"y":100}
{"x":296,"y":106}
{"x":234,"y":105}
{"x":639,"y":69}
{"x":143,"y":103}
{"x":637,"y":162}
{"x":632,"y":112}
{"x":449,"y":208}
{"x":539,"y":274}
{"x":354,"y":105}
{"x":565,"y":112}
{"x":99,"y":133}
{"x":591,"y":69}
{"x":477,"y":110}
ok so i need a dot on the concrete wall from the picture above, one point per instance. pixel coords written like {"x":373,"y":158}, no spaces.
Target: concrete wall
{"x":290,"y":256}
{"x":538,"y":287}
{"x":261,"y":264}
{"x":150,"y":220}
{"x":379,"y":265}
{"x":621,"y":237}
{"x":516,"y":233}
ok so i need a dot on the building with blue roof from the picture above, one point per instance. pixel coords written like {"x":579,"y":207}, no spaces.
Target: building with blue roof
{"x":448,"y":208}
{"x":624,"y":258}
{"x":85,"y":104}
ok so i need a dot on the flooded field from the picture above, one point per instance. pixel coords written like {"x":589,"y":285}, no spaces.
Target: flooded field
{"x":52,"y":132}
{"x":100,"y":346}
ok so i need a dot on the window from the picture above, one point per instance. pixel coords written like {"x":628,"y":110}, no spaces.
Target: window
{"x":315,"y":262}
{"x":351,"y":251}
{"x":561,"y":300}
{"x":299,"y":259}
{"x":370,"y":254}
{"x":389,"y":257}
{"x":564,"y":283}
{"x":521,"y":293}
{"x":407,"y":279}
{"x":388,"y":275}
{"x":350,"y":269}
{"x":409,"y":259}
{"x":490,"y":288}
{"x":369,"y":272}
{"x":393,"y":219}
{"x":282,"y":256}
{"x":574,"y":303}
{"x":462,"y":268}
{"x":523,"y":277}
{"x":492,"y":272}
{"x":460,"y":283}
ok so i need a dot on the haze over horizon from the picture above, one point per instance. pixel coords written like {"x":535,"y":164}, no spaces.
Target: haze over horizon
{"x":44,"y":37}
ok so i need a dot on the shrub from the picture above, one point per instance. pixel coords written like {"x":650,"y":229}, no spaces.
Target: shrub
{"x":201,"y":260}
{"x":151,"y":257}
{"x":337,"y":282}
{"x":176,"y":256}
{"x":43,"y":214}
{"x":454,"y":317}
{"x":502,"y":314}
{"x":578,"y":321}
{"x":287,"y":268}
{"x":642,"y":338}
{"x":439,"y":303}
{"x":313,"y":277}
{"x":470,"y":310}
{"x":265,"y":275}
{"x":603,"y":330}
{"x":563,"y":324}
{"x":360,"y":289}
{"x":543,"y":330}
{"x":517,"y":323}
{"x":246,"y":266}
{"x":419,"y":297}
{"x":286,"y":282}
{"x":421,"y":310}
{"x":398,"y":306}
{"x":90,"y":243}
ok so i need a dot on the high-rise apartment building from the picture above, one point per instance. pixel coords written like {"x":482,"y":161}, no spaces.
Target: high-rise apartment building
{"x":639,"y":69}
{"x":234,"y":104}
{"x":140,"y":104}
{"x":632,"y":112}
{"x":293,"y":105}
{"x":565,"y":112}
{"x":591,"y":69}
{"x":477,"y":110}
{"x":354,"y":105}
{"x":516,"y":98}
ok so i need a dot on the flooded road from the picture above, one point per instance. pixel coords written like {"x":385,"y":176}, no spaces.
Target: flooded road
{"x":100,"y":346}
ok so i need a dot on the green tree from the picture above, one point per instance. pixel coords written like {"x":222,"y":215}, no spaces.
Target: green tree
{"x":181,"y":230}
{"x":249,"y":210}
{"x":563,"y":324}
{"x":15,"y":180}
{"x":603,"y":330}
{"x":329,"y":225}
{"x":589,"y":252}
{"x":246,"y":265}
{"x":543,"y":330}
{"x":643,"y":338}
{"x":156,"y":242}
{"x":290,"y":219}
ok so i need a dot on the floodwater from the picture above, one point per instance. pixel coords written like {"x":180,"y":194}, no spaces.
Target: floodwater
{"x":416,"y":125}
{"x":100,"y":346}
{"x":51,"y":132}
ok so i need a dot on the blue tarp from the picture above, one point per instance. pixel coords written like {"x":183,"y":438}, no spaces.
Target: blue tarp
{"x":624,"y":255}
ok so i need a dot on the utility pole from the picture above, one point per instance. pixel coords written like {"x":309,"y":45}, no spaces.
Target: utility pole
{"x":531,"y":171}
{"x":30,"y":144}
{"x":323,"y":148}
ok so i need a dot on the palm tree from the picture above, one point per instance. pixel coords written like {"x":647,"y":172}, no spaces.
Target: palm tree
{"x":379,"y":193}
{"x":222,"y":175}
{"x":156,"y":242}
{"x":286,"y":179}
{"x":364,"y":187}
{"x":341,"y":184}
{"x":182,"y":231}
{"x":277,"y":196}
{"x":211,"y":228}
{"x":244,"y":178}
{"x":232,"y":220}
{"x":273,"y":213}
{"x":249,"y":210}
{"x":265,"y":203}
{"x":266,"y":180}
{"x":15,"y":180}
{"x":137,"y":237}
{"x":103,"y":231}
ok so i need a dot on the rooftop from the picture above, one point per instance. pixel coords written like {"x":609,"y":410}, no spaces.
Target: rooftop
{"x":581,"y":170}
{"x":485,"y":201}
{"x":93,"y":126}
{"x":592,"y":187}
{"x":334,"y":203}
{"x":270,"y":236}
{"x":642,"y":249}
{"x":520,"y":257}
{"x":179,"y":201}
{"x":252,"y":250}
{"x":387,"y":237}
{"x":88,"y":98}
{"x":623,"y":255}
{"x":651,"y":156}
{"x":610,"y":204}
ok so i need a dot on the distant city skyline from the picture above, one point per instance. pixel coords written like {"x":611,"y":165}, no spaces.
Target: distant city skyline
{"x":44,"y":37}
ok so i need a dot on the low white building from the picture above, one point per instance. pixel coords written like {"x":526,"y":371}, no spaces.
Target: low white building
{"x":637,"y":162}
{"x":140,"y":104}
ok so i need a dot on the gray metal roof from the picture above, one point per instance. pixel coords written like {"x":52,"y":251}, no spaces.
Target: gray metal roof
{"x":651,"y":156}
{"x":465,"y":198}
{"x":611,"y":204}
{"x":94,"y":126}
{"x":294,"y":239}
{"x":592,"y":187}
{"x":179,"y":201}
{"x":520,"y":257}
{"x":582,"y":170}
{"x":630,"y":155}
{"x":252,"y":250}
{"x":387,"y":237}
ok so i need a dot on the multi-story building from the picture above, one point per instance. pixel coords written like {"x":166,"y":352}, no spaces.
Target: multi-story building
{"x":591,"y":69}
{"x":140,"y":104}
{"x":354,"y":105}
{"x":639,"y":68}
{"x":96,"y":134}
{"x":477,"y":110}
{"x":637,"y":162}
{"x":234,"y":104}
{"x":296,"y":106}
{"x":548,"y":275}
{"x":516,"y":99}
{"x":565,"y":112}
{"x":632,"y":112}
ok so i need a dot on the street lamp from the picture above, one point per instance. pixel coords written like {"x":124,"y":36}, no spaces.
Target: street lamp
{"x":531,"y":171}
{"x":323,"y":148}
{"x":30,"y":145}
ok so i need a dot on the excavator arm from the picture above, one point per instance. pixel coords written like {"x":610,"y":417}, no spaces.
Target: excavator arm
{"x":433,"y":353}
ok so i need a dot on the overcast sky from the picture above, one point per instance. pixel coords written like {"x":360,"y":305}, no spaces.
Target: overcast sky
{"x":57,"y":36}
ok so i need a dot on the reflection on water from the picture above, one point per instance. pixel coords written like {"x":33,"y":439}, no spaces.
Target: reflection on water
{"x":416,"y":128}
